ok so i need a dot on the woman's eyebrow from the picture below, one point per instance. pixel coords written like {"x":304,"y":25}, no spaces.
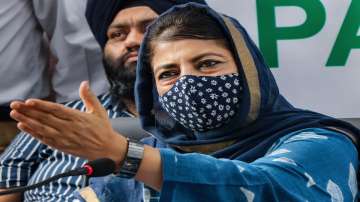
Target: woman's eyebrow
{"x":198,"y":57}
{"x":193,"y":60}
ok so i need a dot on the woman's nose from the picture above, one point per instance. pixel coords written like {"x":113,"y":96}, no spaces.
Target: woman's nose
{"x":188,"y":69}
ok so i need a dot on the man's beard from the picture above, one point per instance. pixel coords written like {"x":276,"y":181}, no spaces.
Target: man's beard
{"x":122,"y":79}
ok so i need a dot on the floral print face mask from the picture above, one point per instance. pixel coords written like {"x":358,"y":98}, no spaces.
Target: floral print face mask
{"x":202,"y":103}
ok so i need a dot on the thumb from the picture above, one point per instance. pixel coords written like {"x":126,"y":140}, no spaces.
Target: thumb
{"x":90,"y":100}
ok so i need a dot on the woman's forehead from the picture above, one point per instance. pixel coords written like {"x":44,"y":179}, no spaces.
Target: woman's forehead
{"x":163,"y":50}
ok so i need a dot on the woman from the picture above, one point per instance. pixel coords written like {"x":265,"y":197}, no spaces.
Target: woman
{"x":203,"y":86}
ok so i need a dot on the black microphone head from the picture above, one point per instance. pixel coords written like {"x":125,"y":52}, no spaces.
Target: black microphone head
{"x":100,"y":167}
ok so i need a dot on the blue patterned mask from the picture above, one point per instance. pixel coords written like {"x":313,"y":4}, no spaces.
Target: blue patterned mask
{"x":202,"y":103}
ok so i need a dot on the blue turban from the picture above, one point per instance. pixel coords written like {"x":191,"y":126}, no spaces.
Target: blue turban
{"x":100,"y":14}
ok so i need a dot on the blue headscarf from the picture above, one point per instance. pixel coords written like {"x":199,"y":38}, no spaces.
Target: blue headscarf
{"x":100,"y":13}
{"x":262,"y":118}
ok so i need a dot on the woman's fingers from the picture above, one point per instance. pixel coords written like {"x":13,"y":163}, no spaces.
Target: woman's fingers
{"x":90,"y":100}
{"x":38,"y":116}
{"x":33,"y":127}
{"x":68,"y":130}
{"x":55,"y":109}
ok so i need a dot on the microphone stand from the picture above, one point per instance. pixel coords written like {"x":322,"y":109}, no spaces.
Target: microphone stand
{"x":79,"y":171}
{"x":96,"y":168}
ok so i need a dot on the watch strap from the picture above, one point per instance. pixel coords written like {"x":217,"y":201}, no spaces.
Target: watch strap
{"x":131,"y":163}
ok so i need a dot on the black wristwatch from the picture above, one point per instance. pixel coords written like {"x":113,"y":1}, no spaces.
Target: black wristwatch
{"x":131,"y":163}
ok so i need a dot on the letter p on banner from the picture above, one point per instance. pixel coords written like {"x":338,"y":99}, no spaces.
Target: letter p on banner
{"x":269,"y":34}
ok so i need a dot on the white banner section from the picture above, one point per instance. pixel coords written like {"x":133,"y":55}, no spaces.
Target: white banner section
{"x":312,"y":47}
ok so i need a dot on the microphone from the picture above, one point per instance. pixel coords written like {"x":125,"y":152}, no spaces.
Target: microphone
{"x":99,"y":167}
{"x":96,"y":168}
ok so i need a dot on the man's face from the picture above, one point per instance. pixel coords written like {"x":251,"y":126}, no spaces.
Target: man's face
{"x":125,"y":35}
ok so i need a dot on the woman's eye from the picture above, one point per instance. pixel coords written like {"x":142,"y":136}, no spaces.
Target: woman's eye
{"x":167,"y":75}
{"x":208,"y":64}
